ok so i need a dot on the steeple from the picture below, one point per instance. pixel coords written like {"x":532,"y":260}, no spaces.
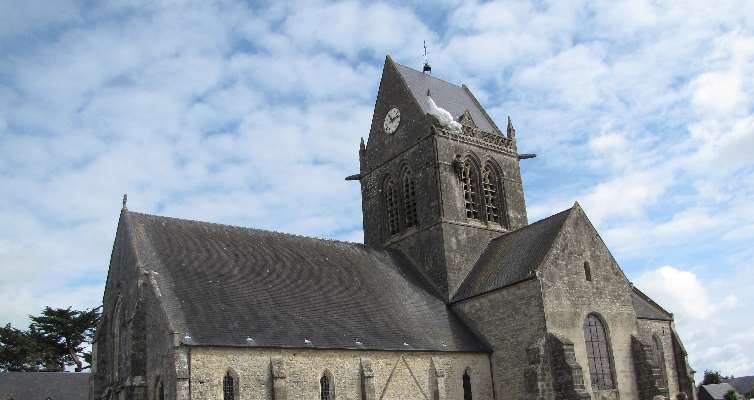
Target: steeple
{"x":436,"y":189}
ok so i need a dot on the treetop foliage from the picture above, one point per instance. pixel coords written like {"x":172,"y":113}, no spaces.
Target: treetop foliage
{"x":55,"y":339}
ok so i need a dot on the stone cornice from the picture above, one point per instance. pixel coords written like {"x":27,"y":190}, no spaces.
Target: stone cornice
{"x":478,"y":137}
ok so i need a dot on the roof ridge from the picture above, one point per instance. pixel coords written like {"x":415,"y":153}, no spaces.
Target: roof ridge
{"x":322,"y":239}
{"x":533,"y":263}
{"x":523,"y":228}
{"x":429,"y":75}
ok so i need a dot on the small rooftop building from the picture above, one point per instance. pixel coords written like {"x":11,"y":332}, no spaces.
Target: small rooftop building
{"x":453,"y":295}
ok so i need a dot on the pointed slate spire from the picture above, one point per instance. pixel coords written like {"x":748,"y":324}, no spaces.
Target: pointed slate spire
{"x":511,"y":129}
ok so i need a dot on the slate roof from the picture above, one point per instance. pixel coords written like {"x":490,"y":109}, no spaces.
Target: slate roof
{"x":646,"y":308}
{"x":512,"y":257}
{"x":455,"y":99}
{"x":717,"y":391}
{"x":43,"y":385}
{"x":742,"y":384}
{"x":223,"y":284}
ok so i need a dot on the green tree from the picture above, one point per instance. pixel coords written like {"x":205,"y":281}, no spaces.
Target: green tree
{"x":55,"y":339}
{"x":731,"y":395}
{"x":69,"y":330}
{"x":28,"y":351}
{"x":712,"y":377}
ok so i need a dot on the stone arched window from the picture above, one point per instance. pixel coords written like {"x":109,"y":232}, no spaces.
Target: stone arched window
{"x":598,"y":353}
{"x":409,"y":198}
{"x":492,"y":196}
{"x":230,"y":386}
{"x":470,"y":181}
{"x":659,"y":355}
{"x":326,"y":387}
{"x":391,"y":206}
{"x":466,"y":385}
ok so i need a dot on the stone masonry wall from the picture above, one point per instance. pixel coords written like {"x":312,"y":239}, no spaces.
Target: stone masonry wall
{"x":122,"y":291}
{"x":392,"y":375}
{"x":648,"y":374}
{"x":662,"y":329}
{"x":511,"y":321}
{"x":569,"y":298}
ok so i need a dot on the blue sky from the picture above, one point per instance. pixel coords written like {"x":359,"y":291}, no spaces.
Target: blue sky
{"x":251,"y":114}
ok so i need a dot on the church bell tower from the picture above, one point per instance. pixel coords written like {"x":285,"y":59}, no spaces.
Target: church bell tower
{"x":439,"y":180}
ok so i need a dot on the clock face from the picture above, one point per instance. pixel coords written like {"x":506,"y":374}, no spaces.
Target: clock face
{"x":392,"y":119}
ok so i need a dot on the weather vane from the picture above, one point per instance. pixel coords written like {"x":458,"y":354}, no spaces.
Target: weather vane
{"x":427,"y":69}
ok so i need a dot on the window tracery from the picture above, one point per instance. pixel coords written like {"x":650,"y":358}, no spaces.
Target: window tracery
{"x":409,"y":198}
{"x":229,"y":386}
{"x":490,"y":191}
{"x":470,"y":180}
{"x":598,"y":353}
{"x":325,"y":392}
{"x":391,"y":205}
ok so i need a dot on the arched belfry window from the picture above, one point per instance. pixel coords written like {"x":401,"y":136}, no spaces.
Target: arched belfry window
{"x":326,"y":387}
{"x":598,"y":353}
{"x":659,"y":356}
{"x":470,"y":181}
{"x":466,"y":385}
{"x":409,"y":198}
{"x":391,"y":206}
{"x":491,"y":195}
{"x":230,"y":385}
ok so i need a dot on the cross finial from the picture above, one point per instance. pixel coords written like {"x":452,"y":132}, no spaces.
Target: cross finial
{"x":125,"y":200}
{"x":427,"y":69}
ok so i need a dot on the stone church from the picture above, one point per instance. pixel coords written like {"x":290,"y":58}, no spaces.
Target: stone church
{"x":453,"y":295}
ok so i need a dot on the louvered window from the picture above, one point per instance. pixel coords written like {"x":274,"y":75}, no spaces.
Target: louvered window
{"x":470,"y":179}
{"x":324,"y":388}
{"x":489,"y":188}
{"x":391,"y":203}
{"x":409,"y":198}
{"x":229,"y":388}
{"x":466,"y":386}
{"x":598,"y":353}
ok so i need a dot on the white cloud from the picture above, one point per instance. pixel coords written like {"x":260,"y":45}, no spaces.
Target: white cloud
{"x":246,"y":114}
{"x":708,"y":315}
